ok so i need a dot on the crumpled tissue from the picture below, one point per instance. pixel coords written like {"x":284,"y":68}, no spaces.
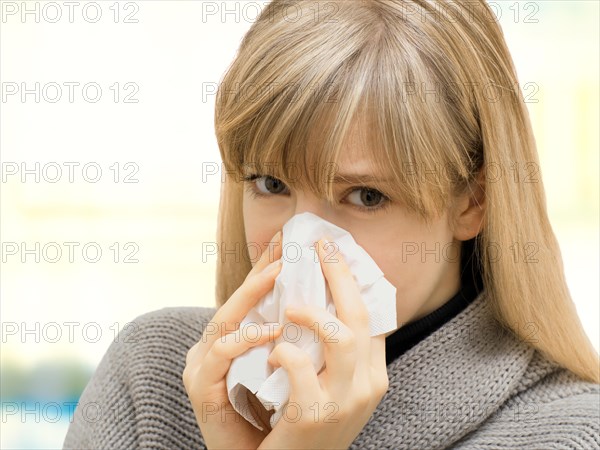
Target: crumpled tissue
{"x":301,"y":282}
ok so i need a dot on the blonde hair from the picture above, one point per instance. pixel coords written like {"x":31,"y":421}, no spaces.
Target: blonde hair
{"x":434,"y":83}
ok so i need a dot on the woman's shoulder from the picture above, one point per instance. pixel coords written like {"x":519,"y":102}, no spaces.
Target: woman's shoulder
{"x":176,"y":324}
{"x":136,"y":395}
{"x":551,"y":408}
{"x":548,"y":381}
{"x":172,"y":329}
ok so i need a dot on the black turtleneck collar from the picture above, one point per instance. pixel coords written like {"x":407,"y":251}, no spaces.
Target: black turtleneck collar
{"x":412,"y":333}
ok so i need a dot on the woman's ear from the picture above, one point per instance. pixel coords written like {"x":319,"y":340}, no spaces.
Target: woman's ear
{"x":469,"y":210}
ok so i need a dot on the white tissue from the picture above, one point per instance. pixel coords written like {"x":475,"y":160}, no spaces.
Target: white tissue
{"x":301,"y":282}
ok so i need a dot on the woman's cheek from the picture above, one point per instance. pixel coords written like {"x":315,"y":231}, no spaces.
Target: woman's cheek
{"x":259,"y":233}
{"x":410,"y":278}
{"x":258,"y":242}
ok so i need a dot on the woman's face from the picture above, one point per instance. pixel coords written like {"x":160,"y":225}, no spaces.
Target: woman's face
{"x":421,"y":261}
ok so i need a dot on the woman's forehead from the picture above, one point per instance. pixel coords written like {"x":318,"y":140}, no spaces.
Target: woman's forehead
{"x":359,"y":153}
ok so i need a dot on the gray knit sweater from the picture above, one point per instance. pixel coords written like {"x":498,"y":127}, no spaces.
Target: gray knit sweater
{"x":469,"y":385}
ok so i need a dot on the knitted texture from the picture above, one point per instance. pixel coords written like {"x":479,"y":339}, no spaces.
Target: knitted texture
{"x":469,"y":385}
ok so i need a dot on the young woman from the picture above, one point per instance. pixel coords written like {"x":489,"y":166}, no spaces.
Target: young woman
{"x":398,"y":121}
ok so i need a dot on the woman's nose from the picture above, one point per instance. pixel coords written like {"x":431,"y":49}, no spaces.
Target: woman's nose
{"x":312,"y":204}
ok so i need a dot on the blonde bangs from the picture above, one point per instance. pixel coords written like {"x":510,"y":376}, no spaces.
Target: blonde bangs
{"x":290,"y":121}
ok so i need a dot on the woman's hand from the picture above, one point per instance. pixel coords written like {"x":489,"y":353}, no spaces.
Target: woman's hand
{"x":208,"y":361}
{"x":329,"y":410}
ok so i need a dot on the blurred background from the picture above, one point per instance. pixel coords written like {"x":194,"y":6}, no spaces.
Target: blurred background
{"x":104,"y":195}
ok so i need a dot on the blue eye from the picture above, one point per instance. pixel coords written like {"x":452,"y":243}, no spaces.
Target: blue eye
{"x":265,"y":185}
{"x":272,"y":185}
{"x":372,"y":200}
{"x":369,"y":197}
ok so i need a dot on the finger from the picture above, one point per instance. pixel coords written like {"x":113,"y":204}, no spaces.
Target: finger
{"x":338,"y":341}
{"x":304,"y":383}
{"x":268,"y":255}
{"x":193,"y":353}
{"x":379,"y":376}
{"x":218,"y":359}
{"x":348,"y":303}
{"x":378,"y":352}
{"x":229,"y":316}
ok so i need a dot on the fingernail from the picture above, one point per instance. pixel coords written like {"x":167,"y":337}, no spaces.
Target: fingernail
{"x":291,"y":311}
{"x":274,"y":266}
{"x":277,"y":237}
